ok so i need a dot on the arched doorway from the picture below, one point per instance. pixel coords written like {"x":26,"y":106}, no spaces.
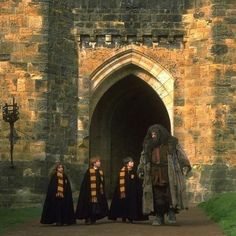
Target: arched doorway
{"x":129,"y":93}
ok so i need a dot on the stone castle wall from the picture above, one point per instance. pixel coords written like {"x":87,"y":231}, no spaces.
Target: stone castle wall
{"x":48,"y":51}
{"x":23,"y":73}
{"x":24,"y":59}
{"x":210,"y":85}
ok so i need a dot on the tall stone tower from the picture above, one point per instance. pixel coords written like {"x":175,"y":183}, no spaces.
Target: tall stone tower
{"x":91,"y":76}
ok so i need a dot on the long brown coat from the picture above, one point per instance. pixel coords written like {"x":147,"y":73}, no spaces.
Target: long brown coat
{"x":177,"y":162}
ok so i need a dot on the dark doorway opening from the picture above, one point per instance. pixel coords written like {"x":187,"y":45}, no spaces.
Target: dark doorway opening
{"x":120,"y":122}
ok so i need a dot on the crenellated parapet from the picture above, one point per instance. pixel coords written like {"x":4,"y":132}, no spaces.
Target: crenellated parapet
{"x":116,"y":41}
{"x":122,"y":26}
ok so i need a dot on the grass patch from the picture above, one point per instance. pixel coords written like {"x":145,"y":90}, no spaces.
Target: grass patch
{"x":11,"y":218}
{"x":222,"y":209}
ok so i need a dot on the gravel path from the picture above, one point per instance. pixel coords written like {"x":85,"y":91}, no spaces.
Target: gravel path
{"x":192,"y":222}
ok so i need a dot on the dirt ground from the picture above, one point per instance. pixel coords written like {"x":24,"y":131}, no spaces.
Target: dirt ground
{"x":192,"y":222}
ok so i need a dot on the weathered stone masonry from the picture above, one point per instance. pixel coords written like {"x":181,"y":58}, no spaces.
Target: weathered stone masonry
{"x":91,"y":76}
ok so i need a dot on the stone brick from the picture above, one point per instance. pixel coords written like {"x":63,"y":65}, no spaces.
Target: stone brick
{"x":218,"y":10}
{"x":219,"y":49}
{"x":179,"y":102}
{"x":221,"y":31}
{"x":6,"y":47}
{"x":41,"y":85}
{"x":5,"y":57}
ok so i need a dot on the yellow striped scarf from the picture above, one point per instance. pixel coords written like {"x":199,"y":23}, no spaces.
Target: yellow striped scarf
{"x":93,"y":184}
{"x":122,"y":182}
{"x":60,"y":185}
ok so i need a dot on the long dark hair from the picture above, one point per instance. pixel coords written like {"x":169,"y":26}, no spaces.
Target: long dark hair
{"x":162,"y":135}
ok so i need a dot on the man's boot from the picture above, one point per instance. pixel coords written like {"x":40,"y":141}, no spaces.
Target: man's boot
{"x":159,"y":220}
{"x":171,"y":216}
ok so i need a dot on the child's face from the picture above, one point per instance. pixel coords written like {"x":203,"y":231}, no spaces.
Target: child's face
{"x":97,"y":163}
{"x":60,"y":168}
{"x":130,"y":164}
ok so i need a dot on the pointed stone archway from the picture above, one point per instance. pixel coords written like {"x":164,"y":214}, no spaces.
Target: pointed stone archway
{"x":129,"y":92}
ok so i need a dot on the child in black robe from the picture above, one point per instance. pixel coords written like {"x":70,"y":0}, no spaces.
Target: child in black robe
{"x":58,"y":206}
{"x":127,"y":199}
{"x":92,"y":203}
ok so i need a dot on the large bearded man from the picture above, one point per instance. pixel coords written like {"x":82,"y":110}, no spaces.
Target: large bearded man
{"x":163,"y":166}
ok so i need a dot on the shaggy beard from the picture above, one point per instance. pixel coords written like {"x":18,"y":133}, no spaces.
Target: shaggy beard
{"x":152,"y":143}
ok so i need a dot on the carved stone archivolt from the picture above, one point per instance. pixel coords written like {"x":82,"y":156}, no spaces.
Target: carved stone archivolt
{"x":129,"y":60}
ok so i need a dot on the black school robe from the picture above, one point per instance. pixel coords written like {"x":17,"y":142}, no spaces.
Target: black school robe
{"x":58,"y":210}
{"x":85,"y":208}
{"x":129,"y":207}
